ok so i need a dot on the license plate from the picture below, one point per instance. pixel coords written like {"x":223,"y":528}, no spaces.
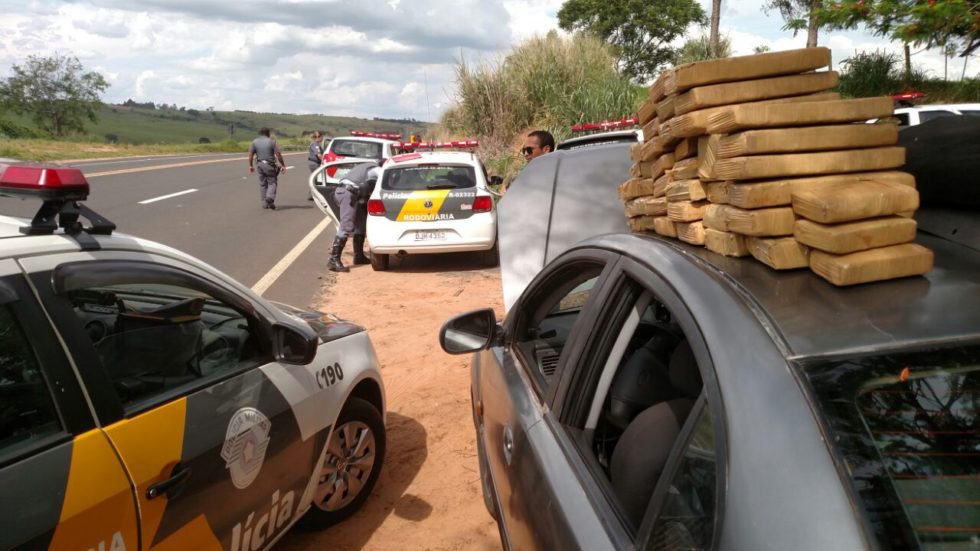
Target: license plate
{"x":433,"y":235}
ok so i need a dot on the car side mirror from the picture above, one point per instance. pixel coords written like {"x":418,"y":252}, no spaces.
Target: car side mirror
{"x":469,"y":332}
{"x":496,"y":180}
{"x":294,"y":344}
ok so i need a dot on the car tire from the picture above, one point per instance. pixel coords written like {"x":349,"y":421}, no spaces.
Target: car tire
{"x":379,"y":262}
{"x":355,"y":452}
{"x":491,"y":257}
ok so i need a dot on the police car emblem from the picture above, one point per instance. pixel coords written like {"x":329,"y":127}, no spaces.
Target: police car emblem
{"x":428,"y":203}
{"x":246,"y":440}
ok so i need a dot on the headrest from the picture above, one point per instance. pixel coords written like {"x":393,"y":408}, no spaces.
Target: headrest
{"x":683,"y":371}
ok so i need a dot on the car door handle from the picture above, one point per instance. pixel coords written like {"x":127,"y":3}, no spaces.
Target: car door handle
{"x":508,"y":443}
{"x":171,"y":486}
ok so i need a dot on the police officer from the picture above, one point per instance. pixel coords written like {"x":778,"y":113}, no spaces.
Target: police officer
{"x":266,"y":150}
{"x":352,"y":196}
{"x":315,"y":156}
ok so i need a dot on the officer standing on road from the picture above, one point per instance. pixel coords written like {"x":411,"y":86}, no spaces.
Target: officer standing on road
{"x":315,"y":156}
{"x":266,"y":150}
{"x":352,"y":196}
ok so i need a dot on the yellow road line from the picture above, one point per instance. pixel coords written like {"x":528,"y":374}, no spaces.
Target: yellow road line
{"x":174,"y":165}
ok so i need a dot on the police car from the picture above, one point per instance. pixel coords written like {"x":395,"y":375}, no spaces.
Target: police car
{"x":343,"y":154}
{"x":150,"y":401}
{"x":431,"y":201}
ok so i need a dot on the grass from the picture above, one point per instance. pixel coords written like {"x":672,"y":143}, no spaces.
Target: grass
{"x":55,"y":150}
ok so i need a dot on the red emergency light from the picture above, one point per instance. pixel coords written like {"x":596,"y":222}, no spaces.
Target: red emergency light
{"x":46,"y":182}
{"x":908,"y":96}
{"x":381,"y":135}
{"x":606,"y":125}
{"x":454,"y":144}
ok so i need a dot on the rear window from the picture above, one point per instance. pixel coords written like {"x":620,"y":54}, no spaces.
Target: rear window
{"x":355,"y":148}
{"x":412,"y":178}
{"x":907,"y":427}
{"x":925,"y":116}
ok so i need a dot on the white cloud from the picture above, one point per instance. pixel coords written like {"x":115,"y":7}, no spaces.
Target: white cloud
{"x":140,"y":85}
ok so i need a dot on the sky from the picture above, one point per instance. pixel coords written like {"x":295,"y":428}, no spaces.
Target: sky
{"x":365,"y":58}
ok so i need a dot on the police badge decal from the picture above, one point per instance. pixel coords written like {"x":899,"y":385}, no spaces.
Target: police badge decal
{"x":246,"y":440}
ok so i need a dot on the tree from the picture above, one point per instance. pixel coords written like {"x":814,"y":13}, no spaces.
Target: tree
{"x":699,"y":49}
{"x":714,"y":39}
{"x":795,"y":13}
{"x":56,"y":92}
{"x":933,"y":23}
{"x":640,"y":30}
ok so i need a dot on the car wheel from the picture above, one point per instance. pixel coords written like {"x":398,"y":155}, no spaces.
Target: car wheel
{"x":355,"y":453}
{"x":379,"y":262}
{"x":491,"y":257}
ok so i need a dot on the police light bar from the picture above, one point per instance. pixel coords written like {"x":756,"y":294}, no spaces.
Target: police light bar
{"x":605,"y":125}
{"x":383,"y":136}
{"x":45,"y":182}
{"x":908,"y":96}
{"x":455,"y":144}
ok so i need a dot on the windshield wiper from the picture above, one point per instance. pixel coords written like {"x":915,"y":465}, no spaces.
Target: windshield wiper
{"x":441,"y":186}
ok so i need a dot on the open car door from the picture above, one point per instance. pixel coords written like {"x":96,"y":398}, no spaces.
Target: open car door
{"x":326,"y":178}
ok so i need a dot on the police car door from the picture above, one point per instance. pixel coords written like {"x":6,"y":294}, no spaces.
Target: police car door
{"x":63,"y":485}
{"x":183,"y":369}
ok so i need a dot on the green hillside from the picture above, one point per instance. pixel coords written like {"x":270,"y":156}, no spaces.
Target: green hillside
{"x":154,"y":125}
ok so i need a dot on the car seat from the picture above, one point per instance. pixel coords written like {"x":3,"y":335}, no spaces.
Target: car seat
{"x":642,"y":380}
{"x":642,"y":451}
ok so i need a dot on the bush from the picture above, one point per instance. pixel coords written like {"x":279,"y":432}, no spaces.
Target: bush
{"x":13,"y":130}
{"x":699,"y":49}
{"x":204,"y":139}
{"x":867,"y":74}
{"x":546,"y":82}
{"x":111,"y":138}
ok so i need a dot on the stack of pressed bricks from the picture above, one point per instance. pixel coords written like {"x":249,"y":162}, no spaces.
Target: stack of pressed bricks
{"x":755,"y":156}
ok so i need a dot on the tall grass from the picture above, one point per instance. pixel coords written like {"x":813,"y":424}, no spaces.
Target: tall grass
{"x":547,"y":82}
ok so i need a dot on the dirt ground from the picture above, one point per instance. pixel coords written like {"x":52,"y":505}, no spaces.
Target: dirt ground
{"x":428,"y":495}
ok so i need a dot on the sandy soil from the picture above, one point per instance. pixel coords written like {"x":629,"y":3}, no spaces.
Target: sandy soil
{"x":428,"y":496}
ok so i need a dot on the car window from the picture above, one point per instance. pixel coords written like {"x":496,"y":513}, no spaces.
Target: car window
{"x":687,"y":517}
{"x":153,"y":339}
{"x":548,"y":318}
{"x":356,"y":148}
{"x":970,"y":112}
{"x":906,"y":425}
{"x":421,"y":177}
{"x":903,"y":119}
{"x":926,"y":116}
{"x":27,"y":412}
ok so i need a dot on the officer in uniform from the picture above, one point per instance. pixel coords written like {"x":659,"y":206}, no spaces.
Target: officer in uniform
{"x":266,"y":150}
{"x":315,"y":156}
{"x":352,"y":196}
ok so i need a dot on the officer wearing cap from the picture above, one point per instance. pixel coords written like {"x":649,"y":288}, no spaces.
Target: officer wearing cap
{"x":266,"y":150}
{"x":352,"y":197}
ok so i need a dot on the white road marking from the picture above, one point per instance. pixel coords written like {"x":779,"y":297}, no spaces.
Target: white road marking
{"x":162,"y":197}
{"x":290,"y":167}
{"x":268,"y":279}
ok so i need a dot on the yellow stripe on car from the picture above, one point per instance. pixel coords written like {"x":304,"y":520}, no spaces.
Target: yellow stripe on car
{"x":414,"y":209}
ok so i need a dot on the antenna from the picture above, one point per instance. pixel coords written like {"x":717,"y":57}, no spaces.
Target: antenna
{"x":428,"y":106}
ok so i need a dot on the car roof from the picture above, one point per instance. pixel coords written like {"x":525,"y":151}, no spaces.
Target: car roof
{"x":362,"y":139}
{"x":437,"y":157}
{"x":940,"y":107}
{"x":601,"y":138}
{"x":811,"y":317}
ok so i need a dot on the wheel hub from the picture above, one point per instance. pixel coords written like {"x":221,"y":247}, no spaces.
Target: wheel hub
{"x":348,"y":465}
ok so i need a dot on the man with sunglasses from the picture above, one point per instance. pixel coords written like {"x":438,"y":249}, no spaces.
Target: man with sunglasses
{"x":536,"y":144}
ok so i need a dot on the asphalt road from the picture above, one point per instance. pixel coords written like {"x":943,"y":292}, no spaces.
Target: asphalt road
{"x":221,"y":222}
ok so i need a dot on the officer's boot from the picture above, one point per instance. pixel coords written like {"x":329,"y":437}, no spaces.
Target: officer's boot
{"x":334,"y":264}
{"x":359,"y":257}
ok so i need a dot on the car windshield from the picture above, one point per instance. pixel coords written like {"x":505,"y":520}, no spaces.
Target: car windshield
{"x":907,"y":427}
{"x":356,"y":148}
{"x":425,"y":176}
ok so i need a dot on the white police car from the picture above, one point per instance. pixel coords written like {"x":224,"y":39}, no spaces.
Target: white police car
{"x":148,"y":400}
{"x":431,"y":202}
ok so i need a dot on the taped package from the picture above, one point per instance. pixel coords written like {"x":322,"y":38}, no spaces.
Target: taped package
{"x":647,"y":206}
{"x":781,"y":253}
{"x":774,"y":193}
{"x":812,"y":138}
{"x":741,"y":68}
{"x":774,"y":115}
{"x":725,"y":243}
{"x":665,"y":108}
{"x":772,"y":222}
{"x":716,"y":217}
{"x":635,"y":187}
{"x":659,"y":87}
{"x":651,"y":129}
{"x":636,"y":152}
{"x":806,"y":164}
{"x":660,"y":186}
{"x":690,"y":232}
{"x":851,"y":237}
{"x":754,"y":90}
{"x":892,"y":262}
{"x":707,"y":156}
{"x":640,"y":223}
{"x":661,"y":165}
{"x":695,"y":123}
{"x":687,"y":147}
{"x":647,"y":111}
{"x":642,"y":169}
{"x":717,"y":192}
{"x":843,"y":202}
{"x":685,"y":169}
{"x":686,"y":211}
{"x":686,"y":190}
{"x":665,"y":226}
